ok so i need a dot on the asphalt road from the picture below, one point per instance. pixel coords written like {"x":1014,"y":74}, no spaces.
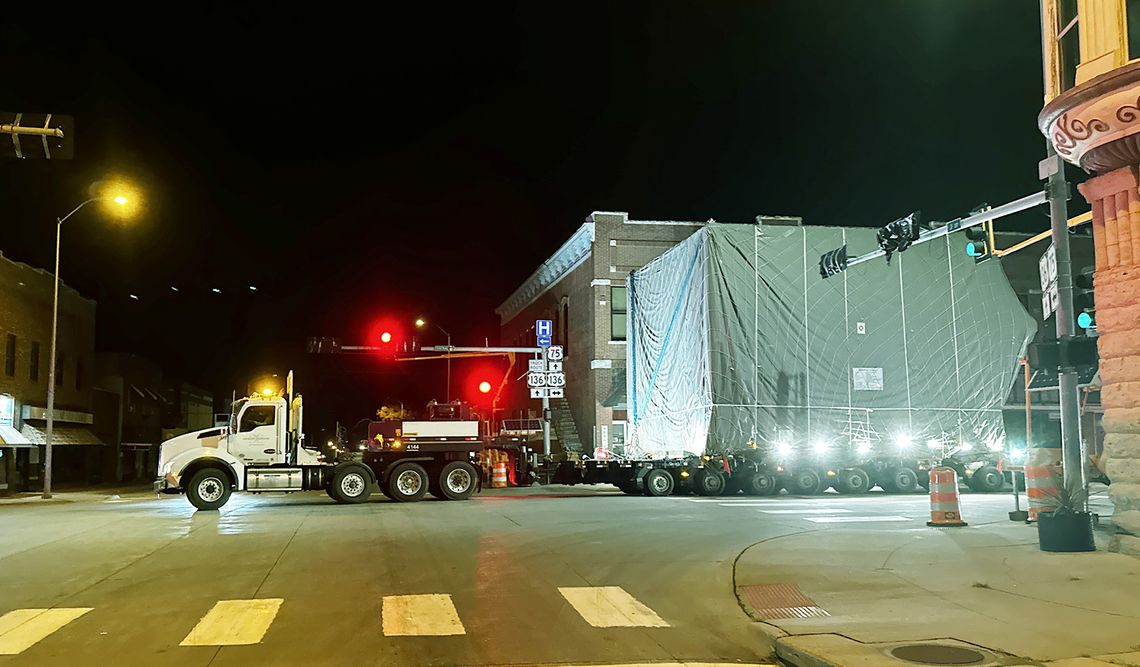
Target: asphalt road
{"x":552,"y":576}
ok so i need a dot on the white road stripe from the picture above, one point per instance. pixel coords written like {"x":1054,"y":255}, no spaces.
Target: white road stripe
{"x":234,"y":623}
{"x":431,"y":615}
{"x":820,"y":510}
{"x":611,"y":607}
{"x":22,"y":628}
{"x":854,"y":519}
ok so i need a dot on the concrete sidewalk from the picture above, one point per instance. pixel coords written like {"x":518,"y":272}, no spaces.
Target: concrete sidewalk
{"x":985,"y":586}
{"x":83,"y":494}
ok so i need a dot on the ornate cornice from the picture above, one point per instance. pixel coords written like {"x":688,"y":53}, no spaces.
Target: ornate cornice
{"x":1097,"y":125}
{"x":572,"y":253}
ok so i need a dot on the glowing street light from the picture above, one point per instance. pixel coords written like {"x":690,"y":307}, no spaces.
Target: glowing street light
{"x":116,"y":193}
{"x":420,"y":324}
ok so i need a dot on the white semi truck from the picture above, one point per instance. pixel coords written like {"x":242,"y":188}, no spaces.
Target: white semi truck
{"x":262,"y":449}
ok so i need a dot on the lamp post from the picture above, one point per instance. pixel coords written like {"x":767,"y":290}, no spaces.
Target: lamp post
{"x":421,"y":323}
{"x":121,"y":201}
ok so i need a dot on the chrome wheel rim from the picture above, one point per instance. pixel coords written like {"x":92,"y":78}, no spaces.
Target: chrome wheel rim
{"x":660,"y":483}
{"x":352,"y":485}
{"x":210,"y":489}
{"x":409,"y":482}
{"x":458,"y":480}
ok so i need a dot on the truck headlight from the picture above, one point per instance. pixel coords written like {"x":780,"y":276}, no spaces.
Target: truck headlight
{"x":820,"y":447}
{"x":864,"y":448}
{"x":783,"y":449}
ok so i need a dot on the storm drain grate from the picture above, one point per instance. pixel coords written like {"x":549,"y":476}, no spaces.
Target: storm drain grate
{"x":780,"y":601}
{"x":938,"y":654}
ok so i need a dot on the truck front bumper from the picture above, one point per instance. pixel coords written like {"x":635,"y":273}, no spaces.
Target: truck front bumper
{"x":163,"y":485}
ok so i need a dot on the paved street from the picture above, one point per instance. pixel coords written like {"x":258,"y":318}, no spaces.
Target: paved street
{"x":558,"y":575}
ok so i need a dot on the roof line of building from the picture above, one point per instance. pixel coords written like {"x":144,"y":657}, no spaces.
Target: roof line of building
{"x":45,"y":274}
{"x":568,"y":257}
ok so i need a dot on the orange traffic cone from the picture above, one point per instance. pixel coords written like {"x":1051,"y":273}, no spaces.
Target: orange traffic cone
{"x":944,"y":498}
{"x":499,"y":475}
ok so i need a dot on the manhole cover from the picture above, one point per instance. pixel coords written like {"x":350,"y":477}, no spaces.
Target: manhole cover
{"x":938,"y":654}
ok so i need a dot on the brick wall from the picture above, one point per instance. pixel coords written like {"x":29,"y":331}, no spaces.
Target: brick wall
{"x":25,"y":312}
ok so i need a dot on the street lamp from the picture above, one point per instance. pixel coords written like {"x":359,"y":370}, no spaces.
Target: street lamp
{"x":420,"y":324}
{"x":119,"y":200}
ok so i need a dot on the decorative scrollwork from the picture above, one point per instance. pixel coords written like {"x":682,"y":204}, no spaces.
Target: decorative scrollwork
{"x":1129,"y":112}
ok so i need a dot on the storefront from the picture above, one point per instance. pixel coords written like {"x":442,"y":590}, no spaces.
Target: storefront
{"x":15,"y":449}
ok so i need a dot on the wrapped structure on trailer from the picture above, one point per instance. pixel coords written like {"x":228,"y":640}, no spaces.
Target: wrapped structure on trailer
{"x":737,"y":343}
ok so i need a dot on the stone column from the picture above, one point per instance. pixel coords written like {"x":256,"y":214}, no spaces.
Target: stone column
{"x":1115,"y":200}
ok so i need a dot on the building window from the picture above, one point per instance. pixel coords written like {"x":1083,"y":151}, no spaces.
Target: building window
{"x":1068,"y":42}
{"x":618,"y":311}
{"x":564,"y":321}
{"x":79,"y":374}
{"x":34,"y":363}
{"x":10,"y":356}
{"x":1132,"y":17}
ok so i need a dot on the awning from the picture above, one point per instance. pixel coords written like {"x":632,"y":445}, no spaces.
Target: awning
{"x":60,"y":435}
{"x":616,"y":399}
{"x":10,"y":437}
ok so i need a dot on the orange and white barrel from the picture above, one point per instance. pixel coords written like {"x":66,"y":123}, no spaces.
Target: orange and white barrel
{"x":1041,"y":485}
{"x":944,"y":510}
{"x":499,"y":475}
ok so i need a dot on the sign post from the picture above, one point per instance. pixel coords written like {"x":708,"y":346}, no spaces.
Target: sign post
{"x":545,"y":378}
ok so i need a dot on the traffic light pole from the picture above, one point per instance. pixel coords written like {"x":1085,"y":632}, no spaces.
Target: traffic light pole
{"x":1057,"y":189}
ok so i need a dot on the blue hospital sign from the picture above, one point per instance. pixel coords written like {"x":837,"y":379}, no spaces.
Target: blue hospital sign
{"x":543,"y":328}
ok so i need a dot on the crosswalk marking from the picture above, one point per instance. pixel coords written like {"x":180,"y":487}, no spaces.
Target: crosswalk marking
{"x":611,"y":607}
{"x":806,"y":510}
{"x":431,"y":615}
{"x":854,"y":519}
{"x":234,"y":623}
{"x":22,"y":628}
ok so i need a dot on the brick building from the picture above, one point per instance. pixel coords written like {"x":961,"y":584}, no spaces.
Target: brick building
{"x":25,"y":340}
{"x":581,"y":287}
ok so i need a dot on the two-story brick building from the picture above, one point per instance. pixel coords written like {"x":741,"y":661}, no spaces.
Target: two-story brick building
{"x":25,"y":340}
{"x":581,"y":287}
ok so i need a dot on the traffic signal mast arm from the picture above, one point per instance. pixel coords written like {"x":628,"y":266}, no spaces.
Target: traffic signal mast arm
{"x":1016,"y":206}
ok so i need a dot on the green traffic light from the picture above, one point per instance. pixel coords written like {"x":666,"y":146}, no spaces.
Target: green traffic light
{"x":1085,"y":320}
{"x":974,"y":249}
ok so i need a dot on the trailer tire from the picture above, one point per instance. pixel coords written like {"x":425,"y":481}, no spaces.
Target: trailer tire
{"x":901,"y":480}
{"x":658,"y":483}
{"x":351,"y":483}
{"x":407,"y":483}
{"x":804,"y":483}
{"x":852,"y":481}
{"x":761,"y":484}
{"x":458,"y":480}
{"x":209,"y":489}
{"x":709,"y":482}
{"x":987,"y":479}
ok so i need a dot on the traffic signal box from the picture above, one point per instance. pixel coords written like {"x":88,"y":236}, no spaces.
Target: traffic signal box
{"x":1084,"y":303}
{"x":980,"y":241}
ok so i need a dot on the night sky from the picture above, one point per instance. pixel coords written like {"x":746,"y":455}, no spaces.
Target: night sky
{"x":357,"y":164}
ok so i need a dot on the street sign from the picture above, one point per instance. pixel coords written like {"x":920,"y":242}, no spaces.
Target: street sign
{"x":544,"y":341}
{"x":536,"y":379}
{"x":538,"y":392}
{"x":1047,"y":267}
{"x":555,"y":392}
{"x":554,"y":353}
{"x":536,"y":365}
{"x":554,"y":366}
{"x":556,"y":379}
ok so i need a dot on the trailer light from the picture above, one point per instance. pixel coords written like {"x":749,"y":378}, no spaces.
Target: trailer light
{"x":820,"y":447}
{"x":684,"y":473}
{"x":779,"y":468}
{"x":396,"y":444}
{"x":362,"y":448}
{"x":864,"y":448}
{"x":903,"y":442}
{"x":783,"y":449}
{"x":831,"y":473}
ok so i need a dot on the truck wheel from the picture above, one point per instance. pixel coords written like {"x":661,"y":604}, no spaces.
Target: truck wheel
{"x":901,"y":480}
{"x":350,"y":484}
{"x":709,"y":482}
{"x":987,"y":479}
{"x":209,"y":489}
{"x":408,"y":482}
{"x":458,"y":480}
{"x":760,"y":484}
{"x":803,"y":483}
{"x":658,"y":482}
{"x":852,"y":481}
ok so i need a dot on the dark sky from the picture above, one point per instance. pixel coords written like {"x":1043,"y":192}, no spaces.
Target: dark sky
{"x":426,"y":157}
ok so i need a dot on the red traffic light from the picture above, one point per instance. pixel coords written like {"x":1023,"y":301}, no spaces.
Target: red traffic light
{"x":484,"y":387}
{"x":386,"y":337}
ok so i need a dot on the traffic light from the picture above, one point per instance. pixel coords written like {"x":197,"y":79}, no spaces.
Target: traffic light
{"x":979,"y":241}
{"x":386,"y":337}
{"x":484,"y":387}
{"x":898,"y":235}
{"x":1084,"y":302}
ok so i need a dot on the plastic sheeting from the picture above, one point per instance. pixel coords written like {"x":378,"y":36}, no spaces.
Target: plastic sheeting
{"x":735,"y":340}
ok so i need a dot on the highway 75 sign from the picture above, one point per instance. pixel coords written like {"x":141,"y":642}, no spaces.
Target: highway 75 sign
{"x":545,"y":377}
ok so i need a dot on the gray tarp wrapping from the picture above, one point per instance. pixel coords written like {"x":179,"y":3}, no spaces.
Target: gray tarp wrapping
{"x":733,"y":336}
